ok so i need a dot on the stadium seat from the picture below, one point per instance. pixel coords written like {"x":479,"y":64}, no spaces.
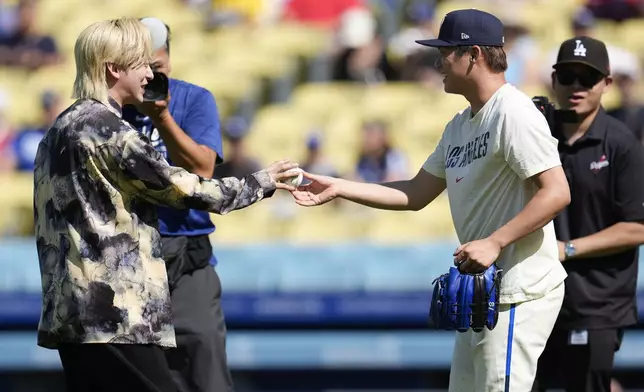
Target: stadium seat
{"x":16,"y":204}
{"x":279,"y":132}
{"x":292,"y":39}
{"x":324,"y":100}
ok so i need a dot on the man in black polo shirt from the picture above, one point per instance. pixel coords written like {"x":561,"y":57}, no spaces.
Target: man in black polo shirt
{"x":600,"y":231}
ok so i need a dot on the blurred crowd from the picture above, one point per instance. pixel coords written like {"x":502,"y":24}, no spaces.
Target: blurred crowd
{"x":369,"y":48}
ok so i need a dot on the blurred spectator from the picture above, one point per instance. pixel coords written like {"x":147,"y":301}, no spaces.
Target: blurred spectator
{"x":361,"y":55}
{"x":7,"y":18}
{"x":630,"y":111}
{"x":315,"y":161}
{"x":6,"y":134}
{"x":237,"y":163}
{"x":233,"y":12}
{"x":24,"y":46}
{"x":423,"y":67}
{"x":520,"y":48}
{"x":616,"y":10}
{"x":419,"y":24}
{"x":583,"y":24}
{"x":324,"y":13}
{"x":25,"y":143}
{"x":378,"y":161}
{"x":248,"y":12}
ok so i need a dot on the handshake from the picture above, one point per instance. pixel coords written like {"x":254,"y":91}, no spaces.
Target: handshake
{"x":319,"y":190}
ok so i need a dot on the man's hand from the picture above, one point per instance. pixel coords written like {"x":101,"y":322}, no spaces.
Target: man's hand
{"x":476,"y":256}
{"x":278,"y":172}
{"x":321,"y":190}
{"x":562,"y":250}
{"x":157,"y":111}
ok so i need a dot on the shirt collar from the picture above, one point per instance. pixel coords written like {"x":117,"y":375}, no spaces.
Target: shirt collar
{"x":115,"y":107}
{"x":596,"y":131}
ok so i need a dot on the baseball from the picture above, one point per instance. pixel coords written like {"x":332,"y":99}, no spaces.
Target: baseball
{"x":296,"y":179}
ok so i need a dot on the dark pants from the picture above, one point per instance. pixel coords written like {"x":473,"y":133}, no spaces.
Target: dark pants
{"x":115,"y":367}
{"x":199,"y":363}
{"x":578,"y":367}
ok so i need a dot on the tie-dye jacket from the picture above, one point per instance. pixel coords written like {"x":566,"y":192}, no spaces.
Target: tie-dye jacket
{"x":96,"y":182}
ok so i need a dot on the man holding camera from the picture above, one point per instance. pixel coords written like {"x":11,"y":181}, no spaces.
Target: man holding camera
{"x":184,"y":127}
{"x":600,"y":231}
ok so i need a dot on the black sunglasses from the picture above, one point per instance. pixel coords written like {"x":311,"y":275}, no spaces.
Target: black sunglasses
{"x":587,"y":79}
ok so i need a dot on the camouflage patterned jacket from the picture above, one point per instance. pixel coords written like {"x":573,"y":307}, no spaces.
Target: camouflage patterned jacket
{"x":96,"y":182}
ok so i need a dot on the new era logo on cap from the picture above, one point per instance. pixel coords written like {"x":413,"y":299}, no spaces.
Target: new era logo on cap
{"x":466,"y":28}
{"x":584,"y":50}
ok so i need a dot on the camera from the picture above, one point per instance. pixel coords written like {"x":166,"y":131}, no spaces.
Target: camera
{"x":552,"y":115}
{"x":157,"y":88}
{"x":547,"y":108}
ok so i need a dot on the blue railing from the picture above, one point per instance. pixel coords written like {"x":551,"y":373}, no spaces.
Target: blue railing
{"x":278,"y":283}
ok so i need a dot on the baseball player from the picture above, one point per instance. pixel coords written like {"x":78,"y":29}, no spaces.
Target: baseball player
{"x":500,"y":166}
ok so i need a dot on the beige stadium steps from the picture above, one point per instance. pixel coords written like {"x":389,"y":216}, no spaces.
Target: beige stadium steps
{"x":323,"y":100}
{"x":59,"y":78}
{"x":343,"y":158}
{"x":278,"y":130}
{"x":417,"y":158}
{"x":248,"y":225}
{"x":258,"y":62}
{"x":394,"y":227}
{"x":23,"y":107}
{"x":435,"y":220}
{"x":229,"y":88}
{"x":343,"y":128}
{"x":68,"y":32}
{"x":20,"y":102}
{"x":17,"y":188}
{"x":292,"y":39}
{"x":16,"y":204}
{"x":329,"y":228}
{"x":420,"y":129}
{"x":629,"y":35}
{"x":51,"y":13}
{"x":393,"y":99}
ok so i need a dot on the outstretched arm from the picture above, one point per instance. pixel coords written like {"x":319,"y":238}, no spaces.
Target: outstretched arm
{"x":143,"y":172}
{"x":412,"y":194}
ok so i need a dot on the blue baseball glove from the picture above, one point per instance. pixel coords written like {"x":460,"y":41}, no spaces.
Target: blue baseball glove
{"x":462,"y":301}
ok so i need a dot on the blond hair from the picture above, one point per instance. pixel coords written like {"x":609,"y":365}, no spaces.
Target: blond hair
{"x":124,"y":42}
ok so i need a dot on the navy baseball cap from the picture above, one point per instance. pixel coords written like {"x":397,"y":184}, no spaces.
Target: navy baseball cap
{"x":466,"y":28}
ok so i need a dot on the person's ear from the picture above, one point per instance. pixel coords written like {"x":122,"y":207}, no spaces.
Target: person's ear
{"x":552,"y":80}
{"x":608,"y":81}
{"x":475,"y":54}
{"x":113,"y":71}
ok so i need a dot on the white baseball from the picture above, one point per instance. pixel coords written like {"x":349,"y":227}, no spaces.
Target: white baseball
{"x":296,"y":179}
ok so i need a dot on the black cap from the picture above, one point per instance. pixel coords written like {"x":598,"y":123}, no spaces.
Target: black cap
{"x":466,"y":28}
{"x":584,"y":50}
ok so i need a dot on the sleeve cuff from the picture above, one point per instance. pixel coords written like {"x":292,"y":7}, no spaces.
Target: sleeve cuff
{"x":538,"y":168}
{"x":265,"y":182}
{"x":434,"y":172}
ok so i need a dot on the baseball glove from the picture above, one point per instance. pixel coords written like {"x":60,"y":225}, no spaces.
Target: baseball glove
{"x":462,"y":301}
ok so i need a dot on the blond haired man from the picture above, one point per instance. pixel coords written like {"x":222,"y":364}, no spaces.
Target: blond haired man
{"x":106,"y":305}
